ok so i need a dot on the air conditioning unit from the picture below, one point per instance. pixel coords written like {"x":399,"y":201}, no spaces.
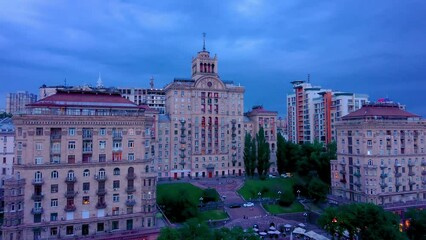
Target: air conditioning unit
{"x":115,"y":189}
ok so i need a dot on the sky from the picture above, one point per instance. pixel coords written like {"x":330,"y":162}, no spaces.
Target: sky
{"x":371,"y":47}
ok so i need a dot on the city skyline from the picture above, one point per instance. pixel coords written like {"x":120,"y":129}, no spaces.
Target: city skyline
{"x":372,"y":48}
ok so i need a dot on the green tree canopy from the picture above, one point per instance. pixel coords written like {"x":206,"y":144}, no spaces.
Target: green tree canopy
{"x":417,"y":224}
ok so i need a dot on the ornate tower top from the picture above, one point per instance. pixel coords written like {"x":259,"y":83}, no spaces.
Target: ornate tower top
{"x":203,"y":64}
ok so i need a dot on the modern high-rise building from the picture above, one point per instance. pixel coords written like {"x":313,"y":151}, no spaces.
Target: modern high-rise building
{"x":16,"y":102}
{"x":381,"y":157}
{"x":312,"y":112}
{"x":83,"y":168}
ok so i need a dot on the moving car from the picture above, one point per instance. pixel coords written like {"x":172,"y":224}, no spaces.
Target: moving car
{"x":248,"y":204}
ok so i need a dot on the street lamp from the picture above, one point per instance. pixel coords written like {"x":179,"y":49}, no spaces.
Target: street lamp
{"x":279,"y":194}
{"x":260,"y":195}
{"x":298,"y":193}
{"x":201,"y":201}
{"x":306,"y":217}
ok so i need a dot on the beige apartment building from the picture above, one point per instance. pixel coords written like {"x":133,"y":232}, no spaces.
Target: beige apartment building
{"x":381,"y":157}
{"x":83,"y":168}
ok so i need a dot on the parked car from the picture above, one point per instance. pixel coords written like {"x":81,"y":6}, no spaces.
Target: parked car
{"x":235,"y":205}
{"x":248,"y":204}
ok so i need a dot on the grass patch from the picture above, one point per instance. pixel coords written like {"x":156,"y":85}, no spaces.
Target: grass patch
{"x":277,"y":209}
{"x":268,"y":187}
{"x":175,"y":190}
{"x":213,"y":215}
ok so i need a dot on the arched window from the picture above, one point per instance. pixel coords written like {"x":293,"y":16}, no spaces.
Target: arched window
{"x":101,"y":173}
{"x":86,"y":173}
{"x":38,"y":176}
{"x":70,"y":174}
{"x":131,"y":170}
{"x":54,"y":174}
{"x":116,"y":171}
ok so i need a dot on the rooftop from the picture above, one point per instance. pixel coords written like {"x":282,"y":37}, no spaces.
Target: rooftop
{"x":380,"y":111}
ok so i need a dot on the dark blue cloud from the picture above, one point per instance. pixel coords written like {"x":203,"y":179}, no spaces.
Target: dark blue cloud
{"x":371,"y":47}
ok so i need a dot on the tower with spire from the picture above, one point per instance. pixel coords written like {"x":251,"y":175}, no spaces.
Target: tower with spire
{"x":99,"y":83}
{"x":203,"y":64}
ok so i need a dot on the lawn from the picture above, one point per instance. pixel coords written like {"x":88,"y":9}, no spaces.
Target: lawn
{"x":277,"y":209}
{"x":213,"y":215}
{"x":268,"y":187}
{"x":176,"y":189}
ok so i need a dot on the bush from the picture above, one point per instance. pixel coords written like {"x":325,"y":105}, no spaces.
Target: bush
{"x":286,"y":199}
{"x":210,"y":195}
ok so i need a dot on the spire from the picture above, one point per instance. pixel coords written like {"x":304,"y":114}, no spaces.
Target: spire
{"x":99,"y":83}
{"x":151,"y":82}
{"x":204,"y":41}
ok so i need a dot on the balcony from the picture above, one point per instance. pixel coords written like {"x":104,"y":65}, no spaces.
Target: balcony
{"x":383,"y":166}
{"x":423,"y":162}
{"x":411,"y":164}
{"x":70,"y":208}
{"x":38,"y":181}
{"x":55,"y":136}
{"x":383,"y":185}
{"x":87,"y":150}
{"x":101,"y":205}
{"x":370,"y":166}
{"x":398,"y":174}
{"x":87,"y":135}
{"x":130,"y":202}
{"x":357,"y":174}
{"x":130,"y":189}
{"x":100,"y":178}
{"x":182,"y":155}
{"x":70,"y":194}
{"x":38,"y":210}
{"x":182,"y":141}
{"x":37,"y":196}
{"x":397,"y":164}
{"x":117,"y":149}
{"x":411,"y":182}
{"x":424,"y":182}
{"x":131,"y":176}
{"x":398,"y":184}
{"x":358,"y":184}
{"x":70,"y":179}
{"x":343,"y":180}
{"x":116,"y":136}
{"x":101,"y":192}
{"x":342,"y":162}
{"x":424,"y":172}
{"x":411,"y":173}
{"x":383,"y":175}
{"x":343,"y":171}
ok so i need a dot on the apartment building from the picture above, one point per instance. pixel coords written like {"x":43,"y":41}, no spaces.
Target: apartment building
{"x":312,"y":111}
{"x":83,"y":168}
{"x":381,"y":157}
{"x":16,"y":102}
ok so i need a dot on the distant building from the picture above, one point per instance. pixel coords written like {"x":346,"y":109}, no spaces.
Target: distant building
{"x":312,"y":112}
{"x":83,"y":168}
{"x":15,"y":102}
{"x":381,"y":157}
{"x":282,"y":127}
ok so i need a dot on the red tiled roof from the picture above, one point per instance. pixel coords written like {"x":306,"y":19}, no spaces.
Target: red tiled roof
{"x":87,"y":99}
{"x":380,"y":111}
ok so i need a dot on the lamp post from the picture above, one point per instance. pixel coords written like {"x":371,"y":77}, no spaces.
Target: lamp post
{"x":279,"y":195}
{"x":259,"y":194}
{"x":306,"y":217}
{"x":201,"y":202}
{"x":298,"y":193}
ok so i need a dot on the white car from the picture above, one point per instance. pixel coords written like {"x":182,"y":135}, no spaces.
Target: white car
{"x":248,"y":204}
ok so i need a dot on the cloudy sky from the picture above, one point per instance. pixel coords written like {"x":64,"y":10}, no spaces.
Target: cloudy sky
{"x":373,"y":47}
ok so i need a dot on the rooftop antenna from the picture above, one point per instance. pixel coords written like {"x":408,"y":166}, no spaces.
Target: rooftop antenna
{"x":204,"y":41}
{"x":151,"y":82}
{"x":65,"y":82}
{"x":309,"y":77}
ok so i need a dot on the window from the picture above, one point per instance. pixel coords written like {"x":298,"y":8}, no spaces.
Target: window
{"x":71,"y":145}
{"x":114,"y":224}
{"x":39,"y":131}
{"x":70,"y":230}
{"x":86,"y":186}
{"x":53,"y":231}
{"x":116,"y":171}
{"x":131,"y":156}
{"x":86,"y":200}
{"x":54,"y":174}
{"x":116,"y":197}
{"x":102,"y":144}
{"x":100,"y":227}
{"x":39,"y":146}
{"x":102,"y":131}
{"x":54,"y":188}
{"x":54,"y":217}
{"x":86,"y":173}
{"x":71,"y":131}
{"x":116,"y":184}
{"x":102,"y":157}
{"x":39,"y":160}
{"x":130,"y":143}
{"x":115,"y":210}
{"x":71,"y":159}
{"x":54,"y":202}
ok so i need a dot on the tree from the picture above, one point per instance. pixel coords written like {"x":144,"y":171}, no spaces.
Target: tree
{"x":286,"y":198}
{"x":249,"y":159}
{"x":253,"y":157}
{"x":178,"y":209}
{"x":210,"y":195}
{"x":417,"y":224}
{"x":281,"y":156}
{"x":366,"y":220}
{"x":317,"y":189}
{"x":263,"y":153}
